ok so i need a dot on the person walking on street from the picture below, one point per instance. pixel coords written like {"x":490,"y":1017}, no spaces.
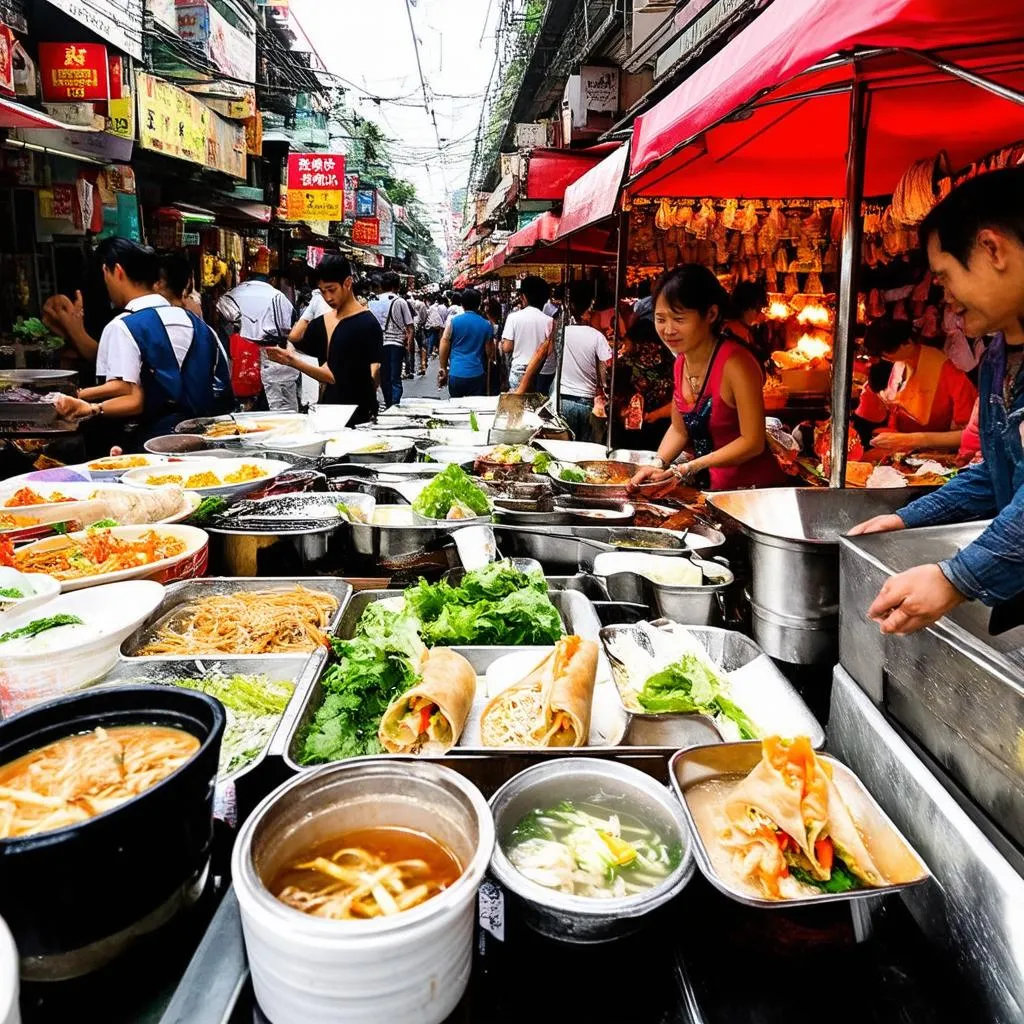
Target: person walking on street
{"x":396,"y":321}
{"x":434,"y":325}
{"x":467,"y":348}
{"x":526,"y":330}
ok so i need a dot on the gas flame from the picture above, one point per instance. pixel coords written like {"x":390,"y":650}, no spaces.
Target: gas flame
{"x":778,"y":310}
{"x":812,"y":347}
{"x":819,"y":316}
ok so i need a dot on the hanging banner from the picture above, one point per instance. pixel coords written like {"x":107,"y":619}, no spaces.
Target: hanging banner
{"x":73,"y":72}
{"x":6,"y":60}
{"x":351,"y":188}
{"x":232,"y":49}
{"x":386,"y":218}
{"x":121,"y":118}
{"x":316,"y":186}
{"x":254,"y":134}
{"x":226,"y":148}
{"x":163,"y":13}
{"x":366,"y":231}
{"x":117,"y":21}
{"x":57,"y":202}
{"x":366,"y":202}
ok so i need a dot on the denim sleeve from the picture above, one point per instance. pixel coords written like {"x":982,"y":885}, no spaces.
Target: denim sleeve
{"x":969,"y":495}
{"x":992,"y":568}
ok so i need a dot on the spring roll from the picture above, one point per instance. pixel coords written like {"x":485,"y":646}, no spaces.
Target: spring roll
{"x":551,"y":706}
{"x":430,"y":716}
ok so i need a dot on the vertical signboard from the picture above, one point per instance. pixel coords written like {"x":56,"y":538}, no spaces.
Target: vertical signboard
{"x":316,"y":186}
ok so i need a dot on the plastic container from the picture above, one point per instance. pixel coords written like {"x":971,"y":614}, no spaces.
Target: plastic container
{"x":9,"y":1012}
{"x":412,"y":968}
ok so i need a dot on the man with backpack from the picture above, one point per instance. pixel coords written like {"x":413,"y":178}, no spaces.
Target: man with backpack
{"x":396,"y":320}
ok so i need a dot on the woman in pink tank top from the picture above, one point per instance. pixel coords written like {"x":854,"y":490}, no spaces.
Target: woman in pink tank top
{"x":718,"y":406}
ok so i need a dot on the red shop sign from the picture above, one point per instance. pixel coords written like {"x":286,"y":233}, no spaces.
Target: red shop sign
{"x":366,"y":231}
{"x":73,"y":72}
{"x":314,"y":172}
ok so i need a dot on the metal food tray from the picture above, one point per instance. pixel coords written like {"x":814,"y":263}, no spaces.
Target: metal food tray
{"x":178,"y":594}
{"x":732,"y":652}
{"x":578,"y":616}
{"x":36,"y":413}
{"x":700,"y":764}
{"x":301,"y":670}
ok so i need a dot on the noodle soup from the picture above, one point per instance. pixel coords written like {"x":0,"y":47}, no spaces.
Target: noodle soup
{"x":373,"y":872}
{"x":79,"y":777}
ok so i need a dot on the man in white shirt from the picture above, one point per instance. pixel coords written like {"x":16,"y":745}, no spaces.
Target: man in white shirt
{"x":160,"y":363}
{"x":316,"y":307}
{"x":586,"y":356}
{"x":396,"y":320}
{"x":526,"y":330}
{"x":261,"y":314}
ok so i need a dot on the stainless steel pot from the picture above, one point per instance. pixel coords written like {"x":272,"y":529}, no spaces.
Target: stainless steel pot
{"x":610,"y":784}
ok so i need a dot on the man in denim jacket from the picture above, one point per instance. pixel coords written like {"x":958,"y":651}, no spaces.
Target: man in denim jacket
{"x":975,"y":244}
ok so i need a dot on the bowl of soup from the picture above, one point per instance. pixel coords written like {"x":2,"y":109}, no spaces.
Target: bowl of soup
{"x":357,"y":889}
{"x":589,"y":848}
{"x":106,"y":822}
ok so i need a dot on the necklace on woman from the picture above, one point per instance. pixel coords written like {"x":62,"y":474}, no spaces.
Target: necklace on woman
{"x":696,"y":380}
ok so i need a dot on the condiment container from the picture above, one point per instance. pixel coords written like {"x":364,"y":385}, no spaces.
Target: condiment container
{"x":75,"y":898}
{"x":411,"y":968}
{"x":609,"y":784}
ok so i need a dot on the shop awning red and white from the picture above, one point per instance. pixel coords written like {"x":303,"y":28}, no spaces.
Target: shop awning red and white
{"x":769,"y":114}
{"x":17,"y":115}
{"x":594,"y":197}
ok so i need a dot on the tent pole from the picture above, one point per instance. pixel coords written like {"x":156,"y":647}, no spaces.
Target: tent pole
{"x":560,"y":332}
{"x":621,"y":259}
{"x":849,"y":267}
{"x":966,"y":75}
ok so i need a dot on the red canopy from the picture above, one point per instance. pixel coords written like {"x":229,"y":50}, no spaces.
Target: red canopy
{"x":790,"y":143}
{"x":17,"y":115}
{"x":551,"y":171}
{"x":595,"y":196}
{"x":494,"y":262}
{"x":543,"y":229}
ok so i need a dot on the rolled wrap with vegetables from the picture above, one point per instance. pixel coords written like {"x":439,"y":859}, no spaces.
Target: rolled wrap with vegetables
{"x":429,"y":717}
{"x":551,"y":706}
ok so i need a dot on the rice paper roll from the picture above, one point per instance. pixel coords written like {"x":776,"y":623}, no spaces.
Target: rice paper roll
{"x":430,"y":716}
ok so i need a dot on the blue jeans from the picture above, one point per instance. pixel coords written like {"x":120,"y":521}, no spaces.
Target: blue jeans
{"x":541,"y":383}
{"x":467,"y":387}
{"x":576,"y":412}
{"x":391,"y":374}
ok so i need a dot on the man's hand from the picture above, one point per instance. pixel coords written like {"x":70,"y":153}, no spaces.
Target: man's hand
{"x":282,"y":356}
{"x":69,"y":408}
{"x":913,"y":600}
{"x":442,"y":378}
{"x":895,"y":442}
{"x":880,"y":524}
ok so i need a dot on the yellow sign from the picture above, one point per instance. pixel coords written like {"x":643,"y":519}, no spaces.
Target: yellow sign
{"x":319,"y":205}
{"x":121,"y":118}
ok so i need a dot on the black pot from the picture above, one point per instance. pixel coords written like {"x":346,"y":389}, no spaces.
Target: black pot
{"x":76,"y":897}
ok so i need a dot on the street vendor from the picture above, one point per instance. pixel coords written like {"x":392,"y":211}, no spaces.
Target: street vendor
{"x":160,"y":363}
{"x":975,"y":244}
{"x":926,"y":402}
{"x":718,"y":406}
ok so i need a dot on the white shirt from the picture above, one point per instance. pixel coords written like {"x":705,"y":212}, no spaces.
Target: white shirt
{"x":119,"y":357}
{"x":584,"y":348}
{"x":317,"y":307}
{"x":265,"y":311}
{"x":436,"y":316}
{"x":528,"y":329}
{"x":394,"y":315}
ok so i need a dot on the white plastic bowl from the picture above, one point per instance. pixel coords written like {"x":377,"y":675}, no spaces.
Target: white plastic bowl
{"x":220,"y":467}
{"x":62,"y":660}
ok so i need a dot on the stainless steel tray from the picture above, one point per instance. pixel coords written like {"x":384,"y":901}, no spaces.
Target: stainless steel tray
{"x":302,"y":671}
{"x":759,"y":688}
{"x":179,"y":594}
{"x":724,"y":760}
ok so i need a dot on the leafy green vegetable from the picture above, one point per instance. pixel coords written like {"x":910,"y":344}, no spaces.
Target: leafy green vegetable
{"x":474,"y":423}
{"x":572,"y":475}
{"x":529,"y":827}
{"x":541,"y":462}
{"x":254,"y":706}
{"x":61,"y":528}
{"x":452,"y":485}
{"x":364,"y":677}
{"x":691,"y":685}
{"x":38,"y":626}
{"x":207,"y":509}
{"x":104,"y":524}
{"x":12,"y":592}
{"x":841,"y":881}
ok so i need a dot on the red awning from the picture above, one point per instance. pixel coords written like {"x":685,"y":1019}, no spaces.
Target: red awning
{"x":543,"y":229}
{"x":494,"y":262}
{"x":17,"y":115}
{"x":595,"y":196}
{"x":552,"y":171}
{"x":461,"y":281}
{"x":782,"y":146}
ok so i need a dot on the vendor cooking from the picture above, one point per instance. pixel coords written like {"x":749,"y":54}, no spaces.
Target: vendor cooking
{"x":718,"y":405}
{"x":926,"y":403}
{"x":975,"y":244}
{"x":161,"y":363}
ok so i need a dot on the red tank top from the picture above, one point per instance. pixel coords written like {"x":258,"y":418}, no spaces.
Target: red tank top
{"x":723,"y":423}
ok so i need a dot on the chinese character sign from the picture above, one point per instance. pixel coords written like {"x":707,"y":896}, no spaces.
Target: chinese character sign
{"x":73,"y":72}
{"x":366,"y":231}
{"x":316,"y":186}
{"x":351,"y":188}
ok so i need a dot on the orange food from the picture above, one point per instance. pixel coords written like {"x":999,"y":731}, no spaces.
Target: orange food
{"x":164,"y":478}
{"x":244,"y":474}
{"x":26,"y":496}
{"x":120,"y":462}
{"x":200,"y":480}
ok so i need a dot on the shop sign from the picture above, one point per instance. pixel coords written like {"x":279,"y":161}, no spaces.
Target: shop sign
{"x":600,"y":88}
{"x":366,"y":231}
{"x":314,"y":255}
{"x":254,"y":134}
{"x":117,"y":21}
{"x":189,"y":238}
{"x":121,"y":118}
{"x":232,"y":49}
{"x":163,"y":13}
{"x":74,"y":72}
{"x":366,"y":202}
{"x":531,"y":136}
{"x":226,"y":147}
{"x":57,"y":203}
{"x":6,"y":60}
{"x":316,"y":186}
{"x":351,"y":188}
{"x":386,"y":218}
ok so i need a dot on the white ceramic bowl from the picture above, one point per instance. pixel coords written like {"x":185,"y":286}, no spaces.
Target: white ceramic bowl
{"x":9,"y":971}
{"x":59,"y":661}
{"x":309,"y":445}
{"x":221,"y":468}
{"x":116,"y":474}
{"x":36,"y":586}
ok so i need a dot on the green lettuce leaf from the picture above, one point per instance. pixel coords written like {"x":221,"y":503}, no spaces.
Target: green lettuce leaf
{"x":451,"y":485}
